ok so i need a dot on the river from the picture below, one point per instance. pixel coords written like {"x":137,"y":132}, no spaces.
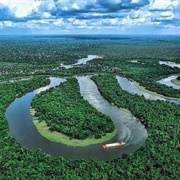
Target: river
{"x":167,"y":82}
{"x":131,"y":87}
{"x":80,"y":61}
{"x":129,"y":129}
{"x":169,"y":63}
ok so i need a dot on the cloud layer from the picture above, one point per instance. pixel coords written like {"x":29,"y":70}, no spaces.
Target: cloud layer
{"x":85,"y":16}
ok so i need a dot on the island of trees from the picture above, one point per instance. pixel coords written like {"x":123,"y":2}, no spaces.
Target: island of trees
{"x":64,"y":110}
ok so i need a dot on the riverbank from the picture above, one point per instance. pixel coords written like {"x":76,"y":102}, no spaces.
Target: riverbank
{"x":142,"y":88}
{"x":176,"y":82}
{"x":25,"y":153}
{"x":61,"y":138}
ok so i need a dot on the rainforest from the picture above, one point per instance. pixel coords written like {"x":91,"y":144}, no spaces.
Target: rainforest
{"x":86,"y":107}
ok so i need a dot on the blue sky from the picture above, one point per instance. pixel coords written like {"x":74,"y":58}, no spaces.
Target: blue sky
{"x":89,"y":17}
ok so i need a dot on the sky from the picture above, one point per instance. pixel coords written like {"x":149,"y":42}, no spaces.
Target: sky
{"x":30,"y":17}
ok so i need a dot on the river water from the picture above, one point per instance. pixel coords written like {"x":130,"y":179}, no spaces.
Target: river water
{"x":167,"y":82}
{"x":129,"y":129}
{"x":80,"y":61}
{"x":130,"y":87}
{"x":168,"y":63}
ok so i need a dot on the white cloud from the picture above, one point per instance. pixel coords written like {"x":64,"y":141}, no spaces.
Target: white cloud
{"x":167,"y":14}
{"x":162,"y":16}
{"x":164,"y":4}
{"x":131,"y":22}
{"x":58,"y":22}
{"x":134,"y":1}
{"x":36,"y":24}
{"x":8,"y":23}
{"x":21,"y":8}
{"x":75,"y":6}
{"x":47,"y":5}
{"x":46,"y":15}
{"x":65,"y":8}
{"x":71,"y":20}
{"x":140,"y":13}
{"x":78,"y":22}
{"x":89,"y":14}
{"x":1,"y":25}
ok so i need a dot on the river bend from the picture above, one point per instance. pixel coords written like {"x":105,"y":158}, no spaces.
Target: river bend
{"x":129,"y":129}
{"x":80,"y":61}
{"x":131,"y":88}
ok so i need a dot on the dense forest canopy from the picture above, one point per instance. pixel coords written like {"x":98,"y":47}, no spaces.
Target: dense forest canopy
{"x":136,"y":58}
{"x":64,"y":110}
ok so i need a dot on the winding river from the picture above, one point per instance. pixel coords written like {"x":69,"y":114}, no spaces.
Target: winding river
{"x":129,"y":129}
{"x":131,"y":87}
{"x":80,"y":61}
{"x":169,"y":63}
{"x":167,"y":82}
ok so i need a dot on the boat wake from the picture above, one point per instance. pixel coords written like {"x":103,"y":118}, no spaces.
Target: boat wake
{"x":130,"y":130}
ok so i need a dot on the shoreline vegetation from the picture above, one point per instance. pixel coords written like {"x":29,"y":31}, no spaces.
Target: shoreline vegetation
{"x":176,"y":82}
{"x":54,"y":136}
{"x":151,"y":92}
{"x":66,"y":140}
{"x":157,"y":159}
{"x":162,"y":127}
{"x":58,"y":137}
{"x":65,"y":111}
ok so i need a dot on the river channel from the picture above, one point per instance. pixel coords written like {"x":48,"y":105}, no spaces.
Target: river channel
{"x":169,"y":63}
{"x":131,"y":88}
{"x":167,"y":82}
{"x":129,"y":129}
{"x":80,"y":61}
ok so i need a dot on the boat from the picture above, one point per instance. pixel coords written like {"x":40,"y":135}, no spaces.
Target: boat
{"x":113,"y":145}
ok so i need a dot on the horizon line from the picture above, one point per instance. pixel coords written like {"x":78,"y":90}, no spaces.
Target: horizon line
{"x":89,"y":34}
